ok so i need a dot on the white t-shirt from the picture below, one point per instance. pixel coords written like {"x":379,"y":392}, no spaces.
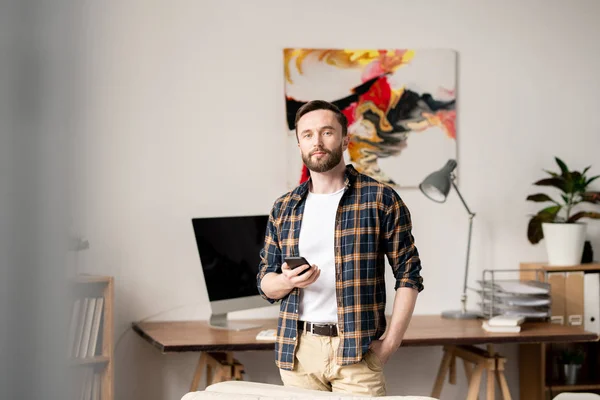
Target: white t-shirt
{"x":316,"y":244}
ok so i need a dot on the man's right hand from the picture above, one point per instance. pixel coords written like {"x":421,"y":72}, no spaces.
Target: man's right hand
{"x":291,"y":278}
{"x":277,"y":286}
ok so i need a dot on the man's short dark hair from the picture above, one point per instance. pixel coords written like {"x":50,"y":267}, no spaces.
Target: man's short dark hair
{"x":322,"y":105}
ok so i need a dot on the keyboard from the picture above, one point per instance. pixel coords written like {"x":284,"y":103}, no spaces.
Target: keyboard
{"x":268,"y":334}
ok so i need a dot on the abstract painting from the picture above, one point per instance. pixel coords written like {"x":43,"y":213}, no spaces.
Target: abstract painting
{"x":400,"y":105}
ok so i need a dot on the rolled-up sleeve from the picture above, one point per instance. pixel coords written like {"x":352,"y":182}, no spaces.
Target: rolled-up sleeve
{"x":270,"y":254}
{"x":400,"y":247}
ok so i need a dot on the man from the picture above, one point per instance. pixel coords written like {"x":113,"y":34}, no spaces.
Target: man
{"x":331,"y":332}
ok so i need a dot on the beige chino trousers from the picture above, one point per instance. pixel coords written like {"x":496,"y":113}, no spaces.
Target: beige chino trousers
{"x":315,"y":368}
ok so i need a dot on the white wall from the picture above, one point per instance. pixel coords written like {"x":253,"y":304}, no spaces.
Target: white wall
{"x":185,"y":118}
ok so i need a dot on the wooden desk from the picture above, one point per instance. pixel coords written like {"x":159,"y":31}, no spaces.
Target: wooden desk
{"x":457,"y":337}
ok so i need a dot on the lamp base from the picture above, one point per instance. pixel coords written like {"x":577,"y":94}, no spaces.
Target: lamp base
{"x":460,"y":314}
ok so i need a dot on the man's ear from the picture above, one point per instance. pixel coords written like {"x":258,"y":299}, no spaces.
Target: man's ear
{"x":345,"y":141}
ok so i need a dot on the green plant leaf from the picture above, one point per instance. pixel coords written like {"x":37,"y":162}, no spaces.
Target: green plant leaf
{"x":584,"y":214}
{"x":592,"y":179}
{"x":570,"y":182}
{"x":540,"y":197}
{"x":552,"y":174}
{"x":591,"y":197}
{"x":577,"y":182}
{"x":534,"y":228}
{"x":586,"y":169}
{"x":549,"y":213}
{"x":558,"y":183}
{"x":563,"y":167}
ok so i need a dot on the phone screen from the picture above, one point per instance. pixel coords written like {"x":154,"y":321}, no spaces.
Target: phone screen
{"x":295,"y":262}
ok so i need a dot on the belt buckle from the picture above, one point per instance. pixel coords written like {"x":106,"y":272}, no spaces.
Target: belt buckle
{"x":313,"y":326}
{"x":312,"y":329}
{"x":321,"y":327}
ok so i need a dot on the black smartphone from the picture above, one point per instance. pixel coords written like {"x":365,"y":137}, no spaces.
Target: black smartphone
{"x":295,"y":262}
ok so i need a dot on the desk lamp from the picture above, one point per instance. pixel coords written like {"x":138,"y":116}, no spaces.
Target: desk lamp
{"x":436,"y":187}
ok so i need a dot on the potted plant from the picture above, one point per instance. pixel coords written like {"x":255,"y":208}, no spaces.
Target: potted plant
{"x":572,"y":360}
{"x":559,"y":223}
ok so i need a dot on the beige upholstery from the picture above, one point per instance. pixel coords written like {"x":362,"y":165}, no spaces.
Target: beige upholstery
{"x":240,"y":390}
{"x":577,"y":396}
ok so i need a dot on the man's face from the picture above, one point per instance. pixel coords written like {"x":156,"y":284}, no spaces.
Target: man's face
{"x":320,"y":140}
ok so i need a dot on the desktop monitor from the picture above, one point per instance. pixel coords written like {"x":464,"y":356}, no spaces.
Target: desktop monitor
{"x":229,"y":250}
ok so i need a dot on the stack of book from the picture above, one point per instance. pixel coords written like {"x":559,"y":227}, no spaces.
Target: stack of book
{"x":527,"y":299}
{"x":84,"y":329}
{"x":503,"y":323}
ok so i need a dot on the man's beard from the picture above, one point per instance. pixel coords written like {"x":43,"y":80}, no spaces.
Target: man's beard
{"x":325,"y":163}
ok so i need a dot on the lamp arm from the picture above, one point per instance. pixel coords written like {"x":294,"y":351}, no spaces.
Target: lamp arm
{"x":471,"y":216}
{"x":461,"y":198}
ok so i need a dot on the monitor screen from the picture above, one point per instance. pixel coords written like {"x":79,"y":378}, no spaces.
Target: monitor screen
{"x":229,"y":249}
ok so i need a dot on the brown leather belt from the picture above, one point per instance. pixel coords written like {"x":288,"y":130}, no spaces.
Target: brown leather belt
{"x":318,"y":329}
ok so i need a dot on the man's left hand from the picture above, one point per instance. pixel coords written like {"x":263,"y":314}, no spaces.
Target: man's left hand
{"x":383,"y":349}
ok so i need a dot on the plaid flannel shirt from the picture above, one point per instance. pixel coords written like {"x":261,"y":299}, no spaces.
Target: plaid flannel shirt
{"x":371,"y":222}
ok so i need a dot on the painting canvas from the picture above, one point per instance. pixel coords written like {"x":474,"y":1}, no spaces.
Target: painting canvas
{"x":400,"y":105}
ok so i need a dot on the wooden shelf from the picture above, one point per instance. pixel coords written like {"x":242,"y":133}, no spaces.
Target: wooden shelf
{"x":595,"y":266}
{"x":576,"y":387}
{"x":90,"y":360}
{"x":102,"y":364}
{"x":538,"y":368}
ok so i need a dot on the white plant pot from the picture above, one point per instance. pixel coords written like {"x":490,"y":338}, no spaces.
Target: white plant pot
{"x":564,"y":243}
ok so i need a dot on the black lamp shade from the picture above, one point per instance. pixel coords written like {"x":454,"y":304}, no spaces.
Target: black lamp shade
{"x":437,"y":185}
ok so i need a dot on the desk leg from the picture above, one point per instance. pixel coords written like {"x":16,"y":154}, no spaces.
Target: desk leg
{"x":219,"y":376}
{"x":502,"y":379}
{"x":209,"y":375}
{"x":238,"y":370}
{"x":219,"y":367}
{"x":491,"y":389}
{"x":475,"y":382}
{"x":452,"y":372}
{"x":468,"y":372}
{"x":489,"y":362}
{"x":198,"y":373}
{"x":444,"y":365}
{"x":227,"y":368}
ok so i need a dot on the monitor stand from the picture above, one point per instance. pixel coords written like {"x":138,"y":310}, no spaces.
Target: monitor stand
{"x":220,"y":321}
